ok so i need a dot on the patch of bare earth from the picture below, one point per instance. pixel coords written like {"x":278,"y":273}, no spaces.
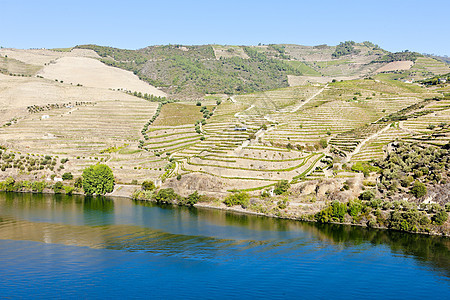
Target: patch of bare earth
{"x":396,"y":66}
{"x":93,"y":73}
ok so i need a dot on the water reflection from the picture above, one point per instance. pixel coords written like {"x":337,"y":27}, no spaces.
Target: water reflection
{"x":202,"y":234}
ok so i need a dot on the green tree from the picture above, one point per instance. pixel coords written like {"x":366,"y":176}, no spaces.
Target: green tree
{"x":419,"y":189}
{"x":148,"y":185}
{"x":98,"y":180}
{"x":67,"y":176}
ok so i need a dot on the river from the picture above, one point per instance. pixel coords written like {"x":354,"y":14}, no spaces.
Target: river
{"x":58,"y":246}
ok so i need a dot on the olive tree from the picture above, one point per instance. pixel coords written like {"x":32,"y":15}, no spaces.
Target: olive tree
{"x":98,"y":180}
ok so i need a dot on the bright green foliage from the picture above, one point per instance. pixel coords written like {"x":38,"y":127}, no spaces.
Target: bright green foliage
{"x":333,"y":213}
{"x":167,"y":196}
{"x":9,"y":184}
{"x":241,"y":198}
{"x":148,"y":185}
{"x":281,"y":187}
{"x":191,"y":199}
{"x":419,"y":189}
{"x":38,"y":186}
{"x":354,"y":208}
{"x":98,"y":180}
{"x":68,"y":189}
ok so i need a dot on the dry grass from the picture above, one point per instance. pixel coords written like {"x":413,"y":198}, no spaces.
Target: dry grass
{"x":174,"y":114}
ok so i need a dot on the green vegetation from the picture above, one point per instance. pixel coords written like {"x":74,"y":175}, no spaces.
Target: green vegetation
{"x":408,"y":161}
{"x":403,"y":216}
{"x":281,"y":187}
{"x":398,"y":56}
{"x":148,"y":185}
{"x":197,"y":72}
{"x":98,"y":180}
{"x":238,"y":198}
{"x":167,"y":196}
{"x":345,"y":48}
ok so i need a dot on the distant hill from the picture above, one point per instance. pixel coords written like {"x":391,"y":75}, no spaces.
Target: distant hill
{"x":193,"y":71}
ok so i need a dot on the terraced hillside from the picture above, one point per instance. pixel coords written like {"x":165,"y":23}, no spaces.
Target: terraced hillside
{"x":215,"y":142}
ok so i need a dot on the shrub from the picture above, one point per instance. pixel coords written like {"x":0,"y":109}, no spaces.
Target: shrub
{"x":440,"y":217}
{"x":68,"y":189}
{"x":323,"y":143}
{"x":419,"y":189}
{"x":58,"y":187}
{"x":192,"y":199}
{"x":167,"y":196}
{"x":67,"y":176}
{"x":283,"y":204}
{"x":78,"y":182}
{"x":354,"y":208}
{"x":148,"y":185}
{"x":281,"y":187}
{"x":241,"y":198}
{"x":333,"y":213}
{"x":38,"y":186}
{"x":367,"y":195}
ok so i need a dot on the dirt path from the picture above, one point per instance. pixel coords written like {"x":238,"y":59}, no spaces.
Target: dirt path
{"x":358,"y":148}
{"x":402,"y":127}
{"x":309,"y":99}
{"x":238,"y":114}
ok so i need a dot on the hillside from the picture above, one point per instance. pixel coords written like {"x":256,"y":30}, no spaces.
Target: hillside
{"x":188,"y":72}
{"x":327,"y":120}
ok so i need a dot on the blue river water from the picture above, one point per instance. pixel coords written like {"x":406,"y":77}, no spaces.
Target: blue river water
{"x":57,"y":246}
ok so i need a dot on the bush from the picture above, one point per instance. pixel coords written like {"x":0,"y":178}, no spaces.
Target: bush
{"x":98,"y":180}
{"x":148,"y":185}
{"x":241,"y":198}
{"x":58,"y":187}
{"x":78,"y":182}
{"x":333,"y":213}
{"x":419,"y":189}
{"x":283,"y":204}
{"x":323,"y":143}
{"x":167,"y":196}
{"x":440,"y":217}
{"x":68,"y":189}
{"x":354,"y":208}
{"x":67,"y":176}
{"x":38,"y":186}
{"x":191,"y":199}
{"x":281,"y":187}
{"x":367,"y":195}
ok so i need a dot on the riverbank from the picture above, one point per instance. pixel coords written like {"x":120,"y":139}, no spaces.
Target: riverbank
{"x":371,"y":214}
{"x":365,"y":212}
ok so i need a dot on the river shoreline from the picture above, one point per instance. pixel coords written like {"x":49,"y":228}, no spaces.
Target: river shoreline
{"x":237,"y":209}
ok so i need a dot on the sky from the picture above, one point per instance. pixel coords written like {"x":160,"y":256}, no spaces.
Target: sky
{"x":395,"y":25}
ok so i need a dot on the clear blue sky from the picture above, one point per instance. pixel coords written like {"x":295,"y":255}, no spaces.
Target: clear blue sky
{"x":395,"y":24}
